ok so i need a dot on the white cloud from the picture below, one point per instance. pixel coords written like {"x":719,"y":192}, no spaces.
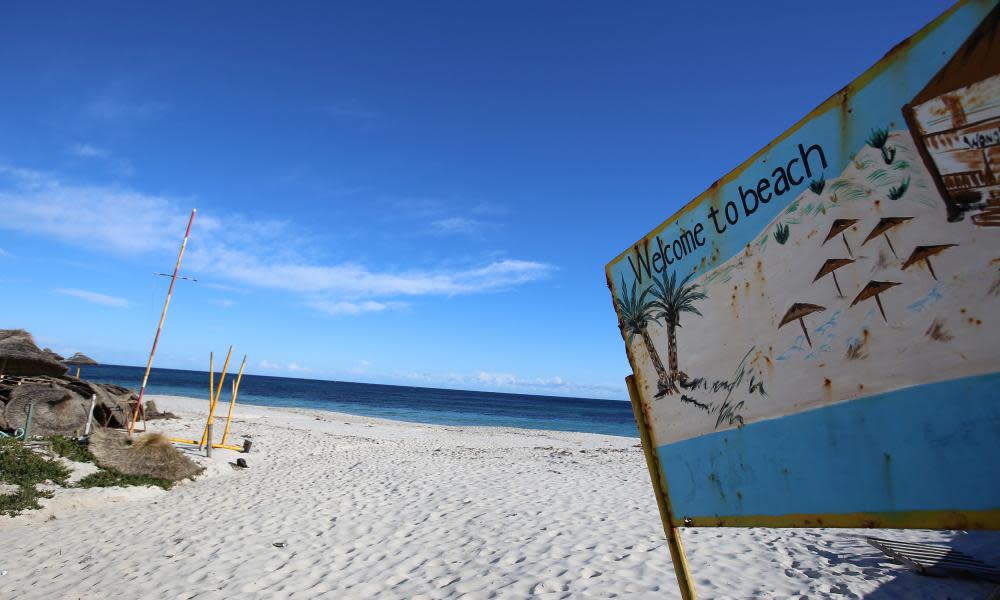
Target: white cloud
{"x":4,"y":252}
{"x":223,"y":302}
{"x":94,"y":297}
{"x":112,"y":219}
{"x":113,"y":107}
{"x":456,"y":225}
{"x":268,"y":365}
{"x":253,"y":253}
{"x":344,"y":307}
{"x":88,"y":151}
{"x":297,"y":368}
{"x":117,"y":165}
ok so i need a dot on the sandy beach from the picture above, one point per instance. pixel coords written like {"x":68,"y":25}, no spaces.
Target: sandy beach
{"x":340,"y":506}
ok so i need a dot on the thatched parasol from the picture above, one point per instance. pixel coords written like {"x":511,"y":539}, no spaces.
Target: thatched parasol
{"x":20,"y":356}
{"x":830,"y":267}
{"x":839,"y":226}
{"x":797,"y":312}
{"x":112,"y":406}
{"x":79,"y":359}
{"x":924,"y":253}
{"x":58,"y":410}
{"x":52,"y":354}
{"x":150,"y":454}
{"x":882,"y":228}
{"x":872,"y":290}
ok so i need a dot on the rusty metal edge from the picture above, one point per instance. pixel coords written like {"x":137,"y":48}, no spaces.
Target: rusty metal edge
{"x":917,"y":519}
{"x":829,"y":104}
{"x":674,"y":543}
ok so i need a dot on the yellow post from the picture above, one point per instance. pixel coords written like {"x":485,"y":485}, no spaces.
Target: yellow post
{"x":215,"y":400}
{"x":677,"y":555}
{"x":232,"y":403}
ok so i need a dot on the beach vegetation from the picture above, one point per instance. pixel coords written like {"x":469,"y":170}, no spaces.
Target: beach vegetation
{"x":112,"y":478}
{"x":69,"y":448}
{"x":817,"y":185}
{"x":879,"y":177}
{"x":670,"y":300}
{"x":635,"y":312}
{"x":22,"y":467}
{"x":879,"y":138}
{"x":897,"y":192}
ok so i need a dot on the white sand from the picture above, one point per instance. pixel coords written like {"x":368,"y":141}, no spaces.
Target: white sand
{"x":380,"y":509}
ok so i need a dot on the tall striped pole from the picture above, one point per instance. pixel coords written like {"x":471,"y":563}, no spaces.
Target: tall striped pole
{"x":159,"y":328}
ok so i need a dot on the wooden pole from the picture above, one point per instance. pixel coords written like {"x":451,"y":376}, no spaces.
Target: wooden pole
{"x":673,"y":534}
{"x":218,"y":392}
{"x":232,"y":403}
{"x":159,"y":328}
{"x":90,"y":414}
{"x":211,"y":386}
{"x":208,"y":446}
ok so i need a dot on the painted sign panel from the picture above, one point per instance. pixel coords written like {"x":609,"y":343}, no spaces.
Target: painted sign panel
{"x":815,"y":339}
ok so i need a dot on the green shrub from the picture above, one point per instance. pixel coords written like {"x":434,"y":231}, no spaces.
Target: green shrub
{"x":110,"y":478}
{"x":70,"y":448}
{"x":24,"y":468}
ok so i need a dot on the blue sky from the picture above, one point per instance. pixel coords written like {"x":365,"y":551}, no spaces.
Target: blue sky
{"x":413,"y":193}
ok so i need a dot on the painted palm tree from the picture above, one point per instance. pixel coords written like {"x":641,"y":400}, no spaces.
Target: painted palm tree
{"x":635,"y":313}
{"x":670,"y":300}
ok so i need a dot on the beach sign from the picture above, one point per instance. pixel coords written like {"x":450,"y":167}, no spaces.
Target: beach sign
{"x":814,"y":340}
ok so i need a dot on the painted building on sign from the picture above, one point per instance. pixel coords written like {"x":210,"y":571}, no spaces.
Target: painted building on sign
{"x":815,"y":340}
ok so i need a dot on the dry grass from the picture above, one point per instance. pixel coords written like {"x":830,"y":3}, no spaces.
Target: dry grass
{"x":151,"y":454}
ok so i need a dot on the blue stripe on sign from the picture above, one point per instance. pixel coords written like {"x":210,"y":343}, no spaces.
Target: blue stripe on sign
{"x":930,"y":447}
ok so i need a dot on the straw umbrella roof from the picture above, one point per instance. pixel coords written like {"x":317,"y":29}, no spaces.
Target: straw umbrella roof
{"x":885,"y":224}
{"x":19,"y":355}
{"x":924,"y":252}
{"x":80,"y":359}
{"x":799,"y":310}
{"x":52,"y":354}
{"x":58,"y":410}
{"x":832,"y":265}
{"x":838,"y":227}
{"x":150,"y":454}
{"x":874,"y":288}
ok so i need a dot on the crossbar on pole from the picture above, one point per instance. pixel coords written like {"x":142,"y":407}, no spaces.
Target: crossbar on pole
{"x":159,"y":328}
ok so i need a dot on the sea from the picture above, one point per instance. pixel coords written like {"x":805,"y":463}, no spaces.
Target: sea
{"x":400,"y":403}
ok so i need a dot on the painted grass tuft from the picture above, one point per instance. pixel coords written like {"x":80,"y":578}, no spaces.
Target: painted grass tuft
{"x":781,"y":233}
{"x":817,"y":185}
{"x":895,"y":193}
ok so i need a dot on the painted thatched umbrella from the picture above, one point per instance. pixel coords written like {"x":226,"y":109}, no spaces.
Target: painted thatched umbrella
{"x":58,"y":410}
{"x":839,"y":226}
{"x":884,"y":225}
{"x":20,"y":356}
{"x":924,"y":253}
{"x":872,"y":290}
{"x":830,"y":267}
{"x":797,"y":312}
{"x":78,"y":360}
